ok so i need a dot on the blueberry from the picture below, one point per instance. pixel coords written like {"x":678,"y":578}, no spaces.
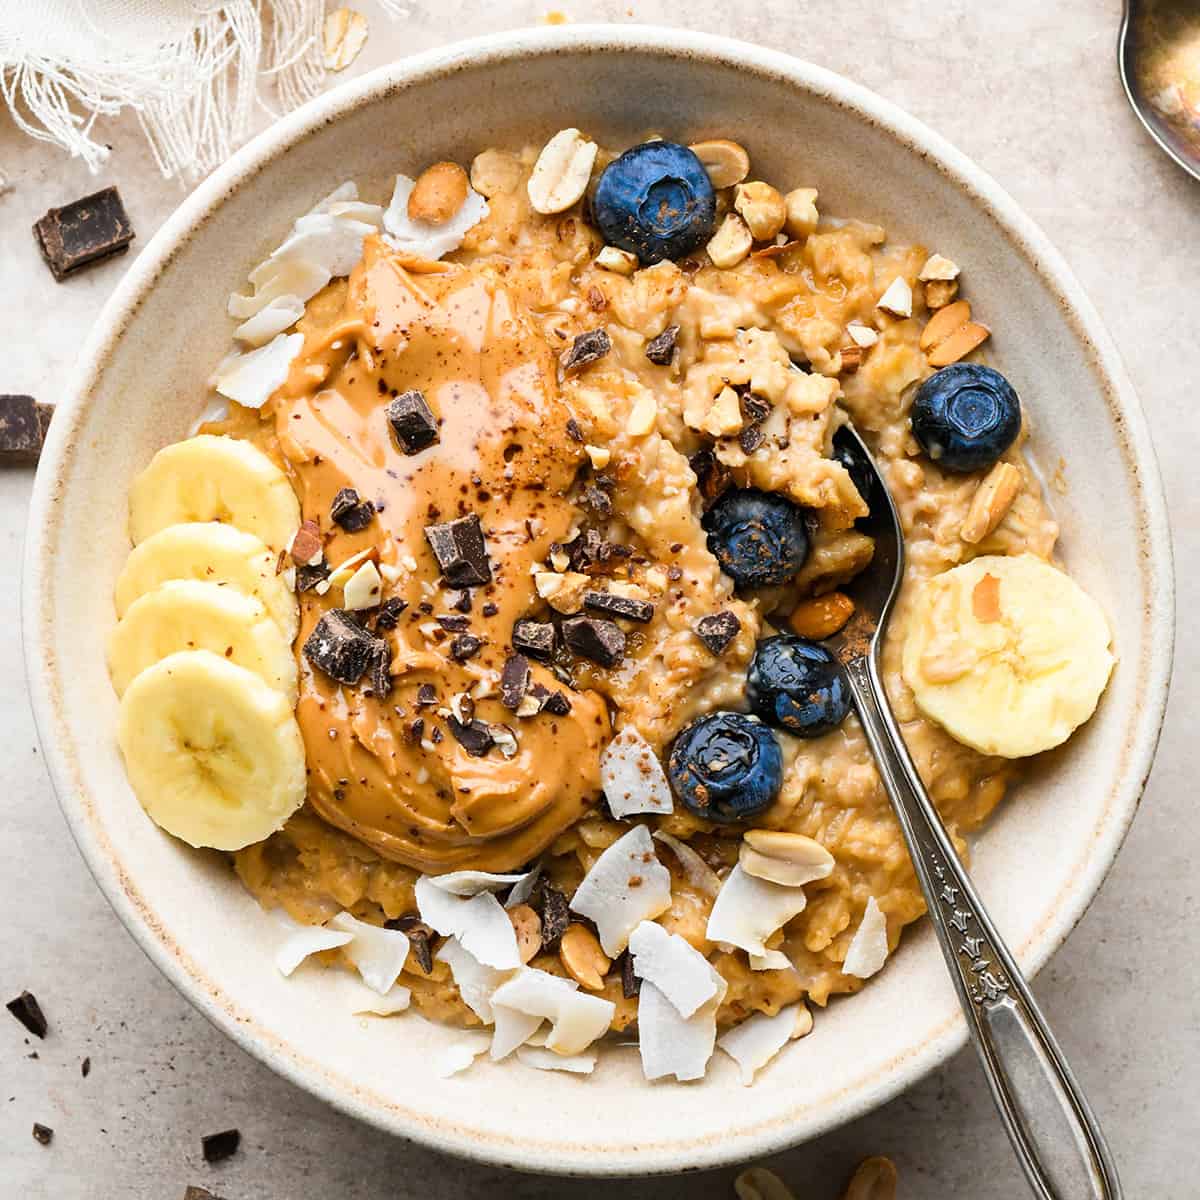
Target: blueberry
{"x":965,"y":416}
{"x":726,"y":767}
{"x":759,"y":538}
{"x":797,"y":685}
{"x":656,"y":201}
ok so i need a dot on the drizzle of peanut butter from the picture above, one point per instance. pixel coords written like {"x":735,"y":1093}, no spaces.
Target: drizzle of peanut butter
{"x":504,"y":454}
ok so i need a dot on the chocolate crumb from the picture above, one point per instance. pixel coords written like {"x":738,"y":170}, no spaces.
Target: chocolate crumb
{"x":29,"y":1012}
{"x":712,"y":477}
{"x":412,"y":422}
{"x":381,"y":669}
{"x":674,"y":574}
{"x":217,"y":1147}
{"x":551,"y":905}
{"x":340,"y":647}
{"x":754,"y":408}
{"x":597,"y":502}
{"x":490,"y":609}
{"x":514,"y":681}
{"x":351,"y":513}
{"x":307,"y":578}
{"x":474,"y":736}
{"x":85,"y":1067}
{"x":416,"y":731}
{"x":596,"y":639}
{"x":454,"y":623}
{"x":586,"y":349}
{"x":535,"y":638}
{"x":557,"y":704}
{"x":461,"y":551}
{"x":437,"y":737}
{"x":661,"y":350}
{"x":420,"y":938}
{"x":42,"y":1134}
{"x":631,"y":985}
{"x":426,"y":695}
{"x":389,"y":612}
{"x":573,"y":430}
{"x":751,"y":438}
{"x":465,"y":646}
{"x":619,"y":606}
{"x":461,"y":601}
{"x":717,"y":630}
{"x":86,"y":231}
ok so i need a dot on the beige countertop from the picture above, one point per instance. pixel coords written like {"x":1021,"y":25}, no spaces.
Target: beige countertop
{"x":1029,"y":90}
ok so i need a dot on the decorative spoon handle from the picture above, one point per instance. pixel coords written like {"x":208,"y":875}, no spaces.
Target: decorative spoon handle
{"x":1052,"y":1129}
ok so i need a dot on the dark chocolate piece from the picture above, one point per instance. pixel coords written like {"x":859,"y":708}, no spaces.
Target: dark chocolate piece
{"x":85,"y":1067}
{"x":340,"y":647}
{"x":461,"y":551}
{"x":23,"y":425}
{"x":754,"y":408}
{"x":535,"y":638}
{"x":437,"y":737}
{"x":29,"y":1012}
{"x":460,"y":600}
{"x":474,"y":736}
{"x":426,"y":695}
{"x":381,"y":669}
{"x":751,"y":438}
{"x":631,"y":985}
{"x":217,"y":1147}
{"x":83,"y":232}
{"x":597,"y":501}
{"x":412,"y":422}
{"x":556,"y":704}
{"x":307,"y":545}
{"x":307,"y":578}
{"x":465,"y":646}
{"x":551,"y":905}
{"x":596,"y":639}
{"x":592,"y":554}
{"x":351,"y":513}
{"x":420,"y":938}
{"x":490,"y":609}
{"x":416,"y":731}
{"x":717,"y":630}
{"x":514,"y":680}
{"x":389,"y":612}
{"x":712,"y":477}
{"x":42,"y":1133}
{"x":455,"y":623}
{"x":586,"y":349}
{"x":661,"y":350}
{"x":573,"y":430}
{"x":619,"y":606}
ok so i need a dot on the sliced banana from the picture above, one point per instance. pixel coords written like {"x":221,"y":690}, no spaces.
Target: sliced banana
{"x":1008,"y":654}
{"x":213,"y":754}
{"x":213,"y":553}
{"x":207,"y":478}
{"x":186,"y":614}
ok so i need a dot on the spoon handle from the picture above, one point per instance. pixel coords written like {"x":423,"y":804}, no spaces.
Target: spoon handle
{"x":1056,"y":1137}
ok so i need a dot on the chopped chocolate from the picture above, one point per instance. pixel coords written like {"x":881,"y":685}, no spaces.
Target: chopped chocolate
{"x":597,"y":501}
{"x":426,"y":695}
{"x":455,"y":623}
{"x":412,"y":422}
{"x":592,"y":554}
{"x":661,"y":350}
{"x":557,"y":704}
{"x":490,"y":609}
{"x":514,"y":680}
{"x":83,"y":232}
{"x":29,"y":1012}
{"x":674,"y":573}
{"x":85,"y":1067}
{"x":307,"y":578}
{"x":23,"y":424}
{"x":461,"y":551}
{"x":619,"y":606}
{"x":551,"y":905}
{"x":306,"y":545}
{"x":473,"y":736}
{"x":465,"y":646}
{"x":42,"y":1133}
{"x":717,"y":630}
{"x":437,"y":736}
{"x":754,"y":408}
{"x":712,"y":477}
{"x":381,"y":669}
{"x":573,"y":430}
{"x":351,"y":513}
{"x":595,"y":638}
{"x":586,"y":349}
{"x":535,"y":638}
{"x":389,"y":612}
{"x":751,"y":438}
{"x":420,"y":938}
{"x":631,"y":985}
{"x":340,"y":647}
{"x":460,"y":600}
{"x":416,"y":731}
{"x":217,"y":1147}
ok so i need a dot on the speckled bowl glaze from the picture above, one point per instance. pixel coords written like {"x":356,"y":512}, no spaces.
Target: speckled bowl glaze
{"x":141,"y":384}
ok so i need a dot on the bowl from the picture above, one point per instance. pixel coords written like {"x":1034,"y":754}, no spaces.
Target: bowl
{"x":141,"y":383}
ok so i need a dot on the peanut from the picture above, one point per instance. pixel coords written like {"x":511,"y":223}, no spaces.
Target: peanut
{"x":758,"y":1183}
{"x":821,"y":616}
{"x":790,"y":859}
{"x":959,"y":344}
{"x":943,"y":323}
{"x":438,"y":194}
{"x":726,"y":162}
{"x":762,"y":208}
{"x":494,"y":172}
{"x":731,"y":243}
{"x":527,"y":925}
{"x":992,"y":500}
{"x":562,"y":171}
{"x":583,"y":958}
{"x":802,"y":215}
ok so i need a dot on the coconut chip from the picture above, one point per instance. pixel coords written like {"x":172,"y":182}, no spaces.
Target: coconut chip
{"x":335,"y":243}
{"x":513,"y":1028}
{"x":377,"y":953}
{"x":471,"y":883}
{"x":749,"y":910}
{"x":280,"y":314}
{"x":422,"y":238}
{"x":285,"y":278}
{"x":699,"y":874}
{"x":368,"y":1003}
{"x":673,"y":965}
{"x":626,"y":886}
{"x":523,"y":888}
{"x":773,"y":960}
{"x":480,"y":923}
{"x":576,"y":1018}
{"x":547,"y":1060}
{"x":757,"y":1040}
{"x":474,"y":981}
{"x":250,"y":378}
{"x":675,"y":1045}
{"x":459,"y":1055}
{"x":632,"y":777}
{"x":305,"y":940}
{"x":869,"y":947}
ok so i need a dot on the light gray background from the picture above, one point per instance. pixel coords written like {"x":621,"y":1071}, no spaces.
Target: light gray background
{"x":1028,"y":88}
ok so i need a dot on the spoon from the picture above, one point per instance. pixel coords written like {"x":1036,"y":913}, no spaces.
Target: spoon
{"x":1051,"y":1127}
{"x":1158,"y":54}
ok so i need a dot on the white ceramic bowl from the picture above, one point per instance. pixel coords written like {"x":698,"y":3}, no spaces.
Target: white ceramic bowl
{"x":141,"y":383}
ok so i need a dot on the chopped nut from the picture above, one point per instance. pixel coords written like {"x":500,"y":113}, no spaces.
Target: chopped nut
{"x":960,"y":343}
{"x":802,"y":216}
{"x":583,"y":958}
{"x":804,"y":1022}
{"x":762,"y":208}
{"x":725,"y":415}
{"x":938,"y":267}
{"x":851,"y":359}
{"x":821,"y":616}
{"x":564,"y":593}
{"x":364,"y":588}
{"x":862,"y":335}
{"x":992,"y":500}
{"x":644,"y":415}
{"x":440,"y":191}
{"x":493,"y":173}
{"x":790,"y":859}
{"x":897,"y":299}
{"x":345,"y":33}
{"x":527,"y":925}
{"x":560,"y":560}
{"x":619,"y":261}
{"x":943,"y":323}
{"x":940,"y":292}
{"x":601,"y":456}
{"x":726,"y":162}
{"x":731,"y":243}
{"x":562,"y":171}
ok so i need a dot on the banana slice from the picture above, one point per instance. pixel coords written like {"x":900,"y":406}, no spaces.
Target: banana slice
{"x":1008,"y":654}
{"x":185,"y":614}
{"x":209,"y":478}
{"x":213,"y":754}
{"x":213,"y":553}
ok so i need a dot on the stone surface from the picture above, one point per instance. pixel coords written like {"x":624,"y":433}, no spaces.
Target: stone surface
{"x":1030,"y":91}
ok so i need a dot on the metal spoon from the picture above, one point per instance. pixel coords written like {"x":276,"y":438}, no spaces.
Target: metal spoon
{"x":1052,"y":1129}
{"x":1158,"y":53}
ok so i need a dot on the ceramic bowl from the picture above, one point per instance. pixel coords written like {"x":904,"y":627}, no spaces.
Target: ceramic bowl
{"x":141,"y":384}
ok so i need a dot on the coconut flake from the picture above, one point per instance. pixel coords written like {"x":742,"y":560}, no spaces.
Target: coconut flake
{"x":626,"y":886}
{"x":471,"y":883}
{"x":749,"y":910}
{"x":699,"y":874}
{"x":358,"y":210}
{"x":869,"y":947}
{"x":479,"y":923}
{"x":378,"y":953}
{"x":547,"y":1060}
{"x":250,"y":378}
{"x":335,"y":243}
{"x":513,"y":1028}
{"x":675,"y":1045}
{"x":272,"y":319}
{"x":369,"y":1003}
{"x":474,"y":981}
{"x":306,"y":940}
{"x":632,"y":777}
{"x":344,"y":193}
{"x":459,"y":1055}
{"x":423,"y":238}
{"x":576,"y":1019}
{"x":523,"y":888}
{"x":673,"y":965}
{"x":757,"y":1040}
{"x":285,"y":278}
{"x":773,"y":960}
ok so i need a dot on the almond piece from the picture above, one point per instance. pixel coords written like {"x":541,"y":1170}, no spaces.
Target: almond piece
{"x":762,"y":208}
{"x":644,"y":415}
{"x":440,"y":191}
{"x":959,"y":344}
{"x":940,"y":292}
{"x":943,"y":323}
{"x":620,"y":262}
{"x":897,"y":298}
{"x":937,"y":266}
{"x":583,"y":958}
{"x":726,"y":162}
{"x":345,"y":32}
{"x":862,"y":335}
{"x":851,"y":357}
{"x":802,"y":216}
{"x":562,"y":171}
{"x":731,"y":243}
{"x":821,"y":616}
{"x":992,"y":500}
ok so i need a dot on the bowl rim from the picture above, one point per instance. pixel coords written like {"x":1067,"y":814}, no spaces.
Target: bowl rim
{"x":136,"y":912}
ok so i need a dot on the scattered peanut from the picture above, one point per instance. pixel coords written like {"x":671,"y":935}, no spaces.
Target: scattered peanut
{"x":992,"y":500}
{"x":938,"y":267}
{"x":621,"y":262}
{"x":731,"y":243}
{"x":494,"y":173}
{"x":527,"y":925}
{"x":875,"y":1179}
{"x":943,"y":323}
{"x":821,"y":616}
{"x":802,"y":216}
{"x":790,"y":859}
{"x":726,"y":162}
{"x":762,"y":208}
{"x":438,"y":194}
{"x":940,"y":292}
{"x":644,"y":415}
{"x":345,"y":32}
{"x":897,"y":299}
{"x":583,"y":958}
{"x":951,"y":334}
{"x":562,"y":171}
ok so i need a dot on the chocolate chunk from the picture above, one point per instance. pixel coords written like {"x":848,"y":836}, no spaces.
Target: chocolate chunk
{"x":420,"y":938}
{"x":717,"y":630}
{"x":460,"y":550}
{"x":460,"y":600}
{"x":351,"y":513}
{"x":754,"y":408}
{"x":85,"y":1067}
{"x":465,"y":646}
{"x":381,"y":669}
{"x":597,"y":501}
{"x":573,"y":430}
{"x":455,"y":623}
{"x":306,"y":545}
{"x":29,"y":1012}
{"x":426,"y":695}
{"x":307,"y":578}
{"x":661,"y":350}
{"x":217,"y":1147}
{"x":83,"y":232}
{"x":586,"y":349}
{"x":23,"y":425}
{"x":340,"y":647}
{"x":712,"y":477}
{"x":514,"y":680}
{"x":631,"y":985}
{"x":557,"y":704}
{"x":551,"y":905}
{"x":619,"y":606}
{"x":437,"y":737}
{"x":490,"y":609}
{"x":751,"y":438}
{"x":389,"y":612}
{"x":596,"y":639}
{"x":474,"y":736}
{"x":416,"y":731}
{"x":42,"y":1133}
{"x":535,"y":638}
{"x":412,"y":422}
